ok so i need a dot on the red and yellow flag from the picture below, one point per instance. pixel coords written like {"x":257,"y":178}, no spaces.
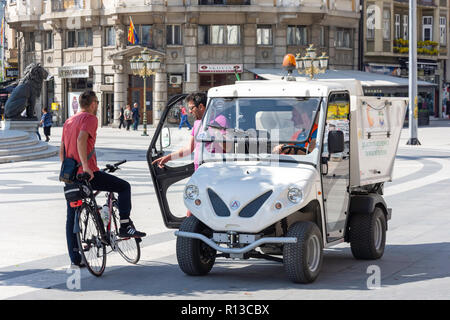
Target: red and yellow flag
{"x":132,"y":34}
{"x":1,"y":32}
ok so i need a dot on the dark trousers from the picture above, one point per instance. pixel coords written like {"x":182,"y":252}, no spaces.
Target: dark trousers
{"x":47,"y":132}
{"x":135,"y":123}
{"x":122,"y":123}
{"x":104,"y":182}
{"x":128,"y":124}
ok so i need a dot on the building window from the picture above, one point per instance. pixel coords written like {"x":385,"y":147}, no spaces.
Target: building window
{"x":48,"y":40}
{"x":219,"y":34}
{"x":29,"y":42}
{"x":371,"y":23}
{"x":427,"y":31}
{"x":397,"y":27}
{"x":443,"y":30}
{"x":233,"y":35}
{"x":144,"y":32}
{"x":405,"y":27}
{"x":110,"y":36}
{"x":145,"y":38}
{"x":387,"y":24}
{"x":79,"y":38}
{"x":173,"y":35}
{"x":343,"y":38}
{"x":297,"y":36}
{"x":264,"y":35}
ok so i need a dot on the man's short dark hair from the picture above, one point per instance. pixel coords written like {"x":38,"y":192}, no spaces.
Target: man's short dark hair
{"x":45,"y":109}
{"x":198,"y":98}
{"x":86,"y":98}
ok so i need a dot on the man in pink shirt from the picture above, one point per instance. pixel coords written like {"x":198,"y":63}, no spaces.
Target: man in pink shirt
{"x":197,"y":105}
{"x":77,"y":142}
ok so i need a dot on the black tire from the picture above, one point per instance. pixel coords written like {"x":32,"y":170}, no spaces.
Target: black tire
{"x":367,"y":234}
{"x":303,"y":260}
{"x":128,"y":248}
{"x":195,"y":257}
{"x":92,"y":250}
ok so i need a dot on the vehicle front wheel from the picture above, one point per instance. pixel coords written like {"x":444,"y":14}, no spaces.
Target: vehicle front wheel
{"x":368,"y":234}
{"x":195,"y":257}
{"x":303,"y":260}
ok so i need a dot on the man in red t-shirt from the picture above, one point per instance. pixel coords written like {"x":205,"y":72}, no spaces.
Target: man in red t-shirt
{"x":77,"y":142}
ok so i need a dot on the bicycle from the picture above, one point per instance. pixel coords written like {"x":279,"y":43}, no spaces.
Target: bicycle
{"x":92,"y":235}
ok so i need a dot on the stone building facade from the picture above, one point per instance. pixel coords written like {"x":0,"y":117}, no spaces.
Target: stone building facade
{"x":83,"y":44}
{"x":386,"y":44}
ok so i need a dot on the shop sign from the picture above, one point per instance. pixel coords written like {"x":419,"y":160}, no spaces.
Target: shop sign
{"x":55,"y":106}
{"x":74,"y":72}
{"x":220,"y":68}
{"x":12,"y":72}
{"x":387,"y":70}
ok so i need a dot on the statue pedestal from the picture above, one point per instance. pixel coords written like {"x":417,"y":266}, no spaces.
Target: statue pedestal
{"x":28,"y":126}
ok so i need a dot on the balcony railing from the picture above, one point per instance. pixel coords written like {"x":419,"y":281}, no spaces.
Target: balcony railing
{"x":224,"y":2}
{"x":429,"y":48}
{"x":62,"y":5}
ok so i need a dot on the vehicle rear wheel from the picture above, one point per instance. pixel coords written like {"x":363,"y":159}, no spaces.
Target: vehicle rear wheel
{"x":368,"y":234}
{"x":195,"y":257}
{"x":303,"y":260}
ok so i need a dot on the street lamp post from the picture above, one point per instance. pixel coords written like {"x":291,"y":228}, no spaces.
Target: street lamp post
{"x":145,"y":66}
{"x":310,"y":64}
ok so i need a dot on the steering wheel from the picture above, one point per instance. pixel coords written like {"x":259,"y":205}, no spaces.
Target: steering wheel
{"x":292,"y":147}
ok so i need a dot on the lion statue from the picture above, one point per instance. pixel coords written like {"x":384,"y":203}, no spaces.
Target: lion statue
{"x":25,"y":94}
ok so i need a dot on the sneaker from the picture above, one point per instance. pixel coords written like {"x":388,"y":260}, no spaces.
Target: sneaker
{"x":79,"y":265}
{"x":130,"y":231}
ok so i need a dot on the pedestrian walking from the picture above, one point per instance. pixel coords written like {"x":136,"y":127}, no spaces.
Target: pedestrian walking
{"x":46,"y":122}
{"x":78,"y":143}
{"x":121,"y":118}
{"x":184,"y":119}
{"x":128,"y":115}
{"x":136,"y":117}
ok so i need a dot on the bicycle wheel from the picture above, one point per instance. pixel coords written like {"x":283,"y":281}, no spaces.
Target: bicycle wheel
{"x":92,"y":249}
{"x":128,"y":248}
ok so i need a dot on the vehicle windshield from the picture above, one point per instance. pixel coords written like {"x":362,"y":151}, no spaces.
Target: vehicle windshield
{"x":238,"y":125}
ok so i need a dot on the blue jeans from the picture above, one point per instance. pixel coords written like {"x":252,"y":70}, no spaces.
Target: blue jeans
{"x":135,"y":124}
{"x":104,"y":182}
{"x":184,"y":119}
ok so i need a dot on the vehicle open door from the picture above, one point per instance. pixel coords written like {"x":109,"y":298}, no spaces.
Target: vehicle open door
{"x":169,"y":181}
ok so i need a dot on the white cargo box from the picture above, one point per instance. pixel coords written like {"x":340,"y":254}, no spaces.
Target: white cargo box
{"x":375,"y":128}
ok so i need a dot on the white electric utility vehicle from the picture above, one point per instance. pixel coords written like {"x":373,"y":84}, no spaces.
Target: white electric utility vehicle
{"x":287,"y":168}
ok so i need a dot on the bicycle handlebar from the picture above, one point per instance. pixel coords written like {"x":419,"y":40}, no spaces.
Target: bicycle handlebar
{"x":113,"y":167}
{"x":109,"y":168}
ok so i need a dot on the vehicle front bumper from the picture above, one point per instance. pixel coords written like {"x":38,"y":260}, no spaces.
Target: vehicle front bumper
{"x":235,"y":251}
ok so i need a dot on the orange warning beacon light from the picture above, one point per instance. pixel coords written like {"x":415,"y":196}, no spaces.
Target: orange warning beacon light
{"x":289,"y":62}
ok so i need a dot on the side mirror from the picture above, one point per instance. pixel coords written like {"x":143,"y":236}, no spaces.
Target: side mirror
{"x":335,"y":141}
{"x":165,"y":138}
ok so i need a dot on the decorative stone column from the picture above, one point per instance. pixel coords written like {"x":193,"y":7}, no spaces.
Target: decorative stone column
{"x":97,"y":66}
{"x":159,"y":94}
{"x":119,"y":92}
{"x":59,"y":83}
{"x":190,"y":57}
{"x":249,"y":49}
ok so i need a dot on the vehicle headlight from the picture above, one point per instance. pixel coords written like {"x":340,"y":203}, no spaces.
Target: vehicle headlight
{"x":191,"y":192}
{"x":295,"y":195}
